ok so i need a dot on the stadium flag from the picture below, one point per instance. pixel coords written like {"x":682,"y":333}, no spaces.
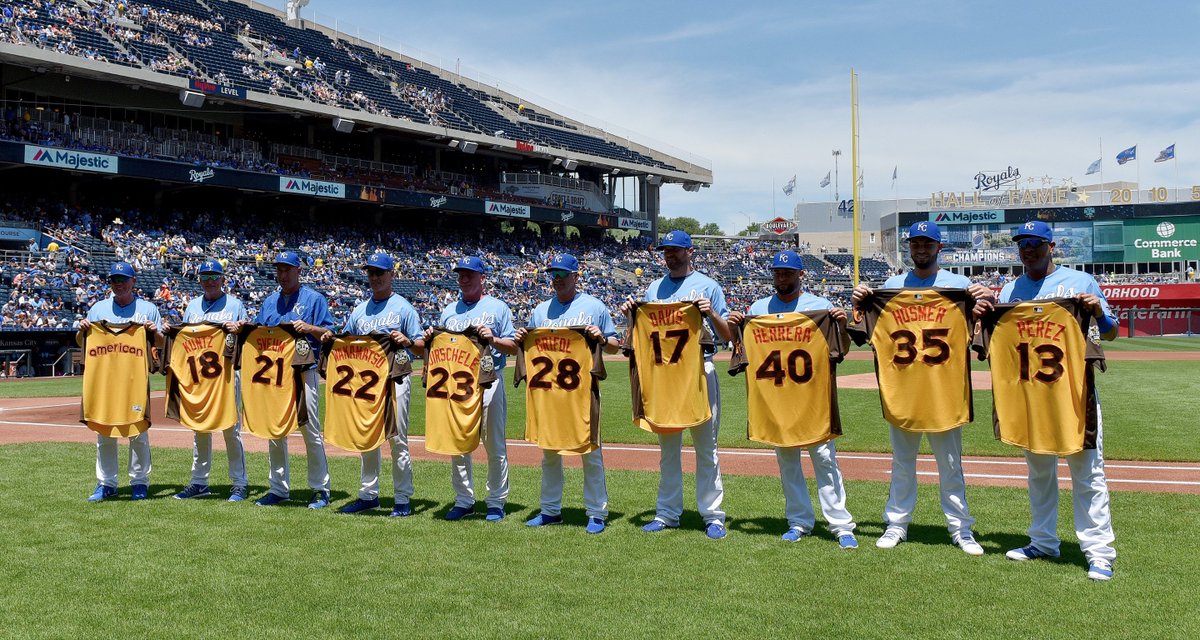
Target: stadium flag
{"x":825,"y":180}
{"x":1166,"y":154}
{"x":1093,"y":167}
{"x":789,"y":187}
{"x":860,"y":181}
{"x":1127,"y":155}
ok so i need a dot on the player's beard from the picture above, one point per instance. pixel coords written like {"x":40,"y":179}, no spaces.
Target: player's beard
{"x":787,"y":289}
{"x":925,"y":262}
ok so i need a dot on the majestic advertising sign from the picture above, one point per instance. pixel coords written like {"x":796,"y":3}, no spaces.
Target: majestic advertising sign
{"x":779,"y":226}
{"x":67,"y":159}
{"x":312,"y":187}
{"x":992,"y":216}
{"x":634,"y":223}
{"x":506,"y":209}
{"x":1162,"y":239}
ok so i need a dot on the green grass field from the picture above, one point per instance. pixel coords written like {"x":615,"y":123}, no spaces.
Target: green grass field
{"x":1148,"y":409}
{"x":206,"y":568}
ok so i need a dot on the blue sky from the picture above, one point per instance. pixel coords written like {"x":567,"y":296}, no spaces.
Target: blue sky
{"x":761,"y":89}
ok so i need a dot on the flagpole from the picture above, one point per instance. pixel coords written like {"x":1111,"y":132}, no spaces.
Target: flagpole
{"x":854,"y":166}
{"x":772,"y":196}
{"x":1175,"y":161}
{"x":1139,"y":174}
{"x":1102,"y":189}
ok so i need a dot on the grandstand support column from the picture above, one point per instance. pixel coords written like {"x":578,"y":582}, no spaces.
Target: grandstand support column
{"x":649,"y":199}
{"x":311,"y":136}
{"x":377,"y":149}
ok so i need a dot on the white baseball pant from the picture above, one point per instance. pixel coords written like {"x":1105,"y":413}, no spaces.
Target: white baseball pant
{"x":372,"y":461}
{"x":709,"y":490}
{"x":314,"y":446}
{"x":495,"y":416}
{"x":902,"y":495}
{"x":139,"y":460}
{"x":1089,"y":491}
{"x":202,"y":448}
{"x":595,"y":492}
{"x":831,"y":491}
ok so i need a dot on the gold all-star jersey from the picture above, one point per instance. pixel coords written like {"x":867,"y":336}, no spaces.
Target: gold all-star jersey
{"x":272,"y":362}
{"x":360,"y":382}
{"x":116,"y":379}
{"x":199,"y":362}
{"x":457,"y":370}
{"x":562,"y":368}
{"x":790,"y":360}
{"x":1043,"y":358}
{"x":922,"y":339}
{"x":666,"y":366}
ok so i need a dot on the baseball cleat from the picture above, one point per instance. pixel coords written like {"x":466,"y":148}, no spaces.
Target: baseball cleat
{"x":401,"y":510}
{"x":847,"y":541}
{"x":320,"y":500}
{"x":967,"y":544}
{"x":139,"y":492}
{"x":794,"y":534}
{"x":102,"y":493}
{"x":270,"y":499}
{"x":192,"y":491}
{"x":890,"y":538}
{"x":715,"y":531}
{"x":542,"y":520}
{"x":657,"y":525}
{"x":595,"y":525}
{"x":358,"y":505}
{"x":458,"y":513}
{"x":495,"y":514}
{"x":1028,"y":552}
{"x":237,"y":494}
{"x":1100,"y":570}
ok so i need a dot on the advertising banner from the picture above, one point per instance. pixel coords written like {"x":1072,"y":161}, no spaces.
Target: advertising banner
{"x":68,"y":159}
{"x":1162,"y":240}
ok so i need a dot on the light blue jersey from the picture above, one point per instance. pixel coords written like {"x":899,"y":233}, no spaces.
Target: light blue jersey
{"x":1063,"y":282}
{"x":693,"y":286}
{"x":385,"y":316}
{"x":224,"y":309}
{"x":486,"y":312}
{"x":581,"y":311}
{"x":941,"y":278}
{"x":805,"y":302}
{"x":305,"y":305}
{"x":139,"y":311}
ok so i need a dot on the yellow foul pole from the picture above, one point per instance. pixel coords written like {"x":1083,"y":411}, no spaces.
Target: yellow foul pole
{"x":855,"y":172}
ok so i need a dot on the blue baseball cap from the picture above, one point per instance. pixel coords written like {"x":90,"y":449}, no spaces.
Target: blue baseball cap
{"x":566,"y":262}
{"x":787,"y":260}
{"x":288,"y":257}
{"x":211,"y":266}
{"x":380,"y":261}
{"x":924,"y":229}
{"x":122,"y":269}
{"x":675,"y":239}
{"x":1033,"y":229}
{"x":470,"y":263}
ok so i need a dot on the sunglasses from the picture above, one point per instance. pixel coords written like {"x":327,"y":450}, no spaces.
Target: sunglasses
{"x":1030,"y":243}
{"x":210,"y":277}
{"x":375,"y":272}
{"x":558,"y":274}
{"x":118,"y":279}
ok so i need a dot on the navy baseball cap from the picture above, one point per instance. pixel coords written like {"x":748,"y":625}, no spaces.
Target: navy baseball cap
{"x":211,"y":266}
{"x":470,"y":263}
{"x":288,"y":257}
{"x":380,"y":261}
{"x":925,"y":229}
{"x":566,"y":262}
{"x":787,"y":260}
{"x":122,"y":269}
{"x":675,"y":239}
{"x":1033,"y":229}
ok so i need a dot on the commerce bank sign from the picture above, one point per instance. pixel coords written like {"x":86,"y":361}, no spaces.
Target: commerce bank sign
{"x":67,"y":159}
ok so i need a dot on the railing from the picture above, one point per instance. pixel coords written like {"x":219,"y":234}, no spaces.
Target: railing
{"x":359,"y":163}
{"x":449,"y":176}
{"x":555,"y":181}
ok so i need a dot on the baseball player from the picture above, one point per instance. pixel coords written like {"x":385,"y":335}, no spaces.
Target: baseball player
{"x":682,"y":284}
{"x":215,"y":305}
{"x":1093,"y":519}
{"x":387,"y":312}
{"x":309,"y":314}
{"x":924,"y":244}
{"x":123,"y":306}
{"x":493,"y":320}
{"x":571,"y":308}
{"x":786,"y":271}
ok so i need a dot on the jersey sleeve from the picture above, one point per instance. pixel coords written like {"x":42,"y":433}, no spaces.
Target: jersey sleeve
{"x":320,"y":312}
{"x":718,"y":302}
{"x":738,"y":361}
{"x":519,"y":371}
{"x":504,"y":323}
{"x":598,"y":370}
